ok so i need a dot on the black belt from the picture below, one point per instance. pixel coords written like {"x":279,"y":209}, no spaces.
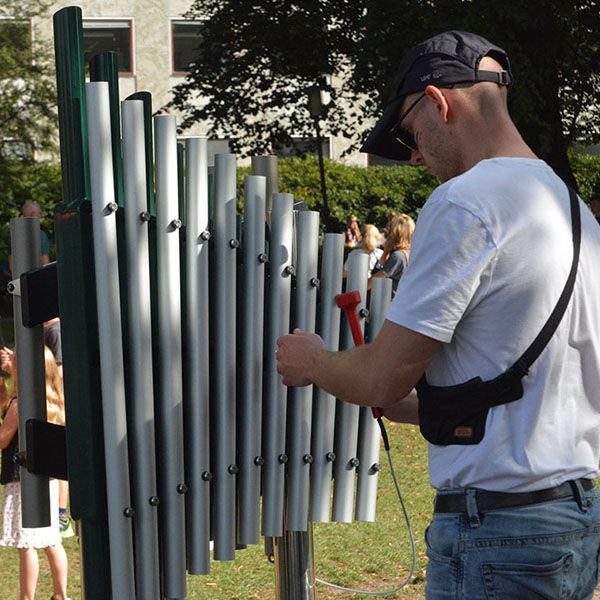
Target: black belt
{"x":457,"y":503}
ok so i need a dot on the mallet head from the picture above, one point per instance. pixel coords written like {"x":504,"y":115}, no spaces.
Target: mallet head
{"x":348,"y":300}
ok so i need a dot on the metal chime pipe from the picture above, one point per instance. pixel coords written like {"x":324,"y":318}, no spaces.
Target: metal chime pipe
{"x":196,"y":406}
{"x":143,"y":461}
{"x":170,"y":394}
{"x":250,"y":401}
{"x":275,"y":393}
{"x":111,"y":347}
{"x":332,"y":264}
{"x":346,"y":424}
{"x":369,"y":436}
{"x":31,"y":383}
{"x":301,"y":398}
{"x":223,"y":421}
{"x":267,"y":166}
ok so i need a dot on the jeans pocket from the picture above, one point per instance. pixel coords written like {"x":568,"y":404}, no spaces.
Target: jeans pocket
{"x":442,"y":574}
{"x":522,"y":581}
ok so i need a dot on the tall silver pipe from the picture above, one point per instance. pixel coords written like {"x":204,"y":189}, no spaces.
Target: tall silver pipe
{"x":223,"y":422}
{"x":301,"y":398}
{"x":250,"y":401}
{"x":112,"y":376}
{"x":295,"y":566}
{"x":141,"y":405}
{"x":170,"y":394}
{"x":267,"y":166}
{"x":196,"y":404}
{"x":346,"y":418}
{"x":275,"y":394}
{"x":332,"y":265}
{"x":369,"y":438}
{"x":31,"y":383}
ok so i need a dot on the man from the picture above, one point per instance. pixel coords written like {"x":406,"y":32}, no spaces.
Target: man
{"x":516,"y":515}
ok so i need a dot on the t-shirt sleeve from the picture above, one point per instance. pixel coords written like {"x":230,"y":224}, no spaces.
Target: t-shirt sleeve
{"x":450,"y":251}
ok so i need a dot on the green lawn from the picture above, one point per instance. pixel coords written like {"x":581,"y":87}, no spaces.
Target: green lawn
{"x":370,"y":556}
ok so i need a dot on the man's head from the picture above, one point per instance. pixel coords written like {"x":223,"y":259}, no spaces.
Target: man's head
{"x":452,"y":68}
{"x":31,"y":209}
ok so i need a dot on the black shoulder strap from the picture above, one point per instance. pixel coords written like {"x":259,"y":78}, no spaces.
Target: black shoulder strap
{"x":530,"y":355}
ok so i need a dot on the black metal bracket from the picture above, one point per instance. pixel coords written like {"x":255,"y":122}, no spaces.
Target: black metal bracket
{"x":46,"y":449}
{"x":39,"y":295}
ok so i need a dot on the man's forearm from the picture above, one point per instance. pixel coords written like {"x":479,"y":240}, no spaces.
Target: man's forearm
{"x":348,"y":375}
{"x":381,"y":373}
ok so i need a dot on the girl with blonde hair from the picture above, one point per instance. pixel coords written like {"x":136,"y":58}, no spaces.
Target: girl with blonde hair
{"x":396,"y":250}
{"x":28,"y":540}
{"x":369,"y":244}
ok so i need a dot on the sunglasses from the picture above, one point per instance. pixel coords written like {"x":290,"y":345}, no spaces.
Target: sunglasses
{"x":399,"y":133}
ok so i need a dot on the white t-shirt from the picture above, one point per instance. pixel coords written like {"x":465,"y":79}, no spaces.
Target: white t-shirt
{"x":490,"y":257}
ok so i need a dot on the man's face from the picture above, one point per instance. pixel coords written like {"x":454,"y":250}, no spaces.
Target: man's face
{"x":431,"y":135}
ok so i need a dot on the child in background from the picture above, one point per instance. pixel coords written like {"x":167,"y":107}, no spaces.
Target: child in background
{"x":371,"y":238}
{"x":28,"y":540}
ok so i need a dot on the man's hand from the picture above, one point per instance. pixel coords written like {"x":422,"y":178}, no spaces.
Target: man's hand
{"x":296,"y":355}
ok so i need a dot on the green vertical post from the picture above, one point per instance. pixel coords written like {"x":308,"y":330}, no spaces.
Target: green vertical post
{"x":146,"y":98}
{"x":77,"y":306}
{"x":103,"y":67}
{"x":181,"y":180}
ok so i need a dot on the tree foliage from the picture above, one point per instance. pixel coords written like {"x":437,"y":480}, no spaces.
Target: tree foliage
{"x":27,"y":89}
{"x":27,"y":115}
{"x":256,"y":61}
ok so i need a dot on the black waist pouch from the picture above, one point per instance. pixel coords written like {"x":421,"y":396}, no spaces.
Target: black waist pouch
{"x":456,"y":414}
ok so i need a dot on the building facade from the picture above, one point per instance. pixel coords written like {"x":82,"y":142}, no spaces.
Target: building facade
{"x":155,"y":44}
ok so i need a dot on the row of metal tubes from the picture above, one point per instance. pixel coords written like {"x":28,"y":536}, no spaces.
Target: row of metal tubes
{"x":174,"y":555}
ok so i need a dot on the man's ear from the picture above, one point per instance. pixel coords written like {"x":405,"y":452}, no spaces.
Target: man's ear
{"x":441,"y":101}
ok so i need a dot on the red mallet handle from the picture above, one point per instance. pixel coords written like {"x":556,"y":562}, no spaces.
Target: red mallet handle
{"x":348,"y":303}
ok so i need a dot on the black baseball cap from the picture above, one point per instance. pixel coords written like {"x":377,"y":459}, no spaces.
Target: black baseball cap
{"x":444,"y":60}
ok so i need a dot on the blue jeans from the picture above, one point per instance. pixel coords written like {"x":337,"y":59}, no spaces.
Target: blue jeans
{"x":544,"y":551}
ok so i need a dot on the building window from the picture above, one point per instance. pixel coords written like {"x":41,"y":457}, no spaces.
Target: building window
{"x":103,"y":36}
{"x":301,"y":146}
{"x":185,"y":40}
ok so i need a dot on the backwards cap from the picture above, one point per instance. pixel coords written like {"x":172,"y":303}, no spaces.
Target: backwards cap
{"x":444,"y":60}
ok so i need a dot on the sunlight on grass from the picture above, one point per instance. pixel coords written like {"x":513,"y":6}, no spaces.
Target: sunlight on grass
{"x":372,"y":556}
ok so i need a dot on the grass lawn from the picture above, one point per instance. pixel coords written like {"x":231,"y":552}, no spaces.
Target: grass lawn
{"x":371,"y":556}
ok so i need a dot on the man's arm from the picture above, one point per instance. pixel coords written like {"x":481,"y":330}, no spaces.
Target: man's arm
{"x":381,"y":374}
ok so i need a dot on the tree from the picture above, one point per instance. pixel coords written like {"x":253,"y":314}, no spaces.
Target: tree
{"x":27,"y":98}
{"x":256,"y":61}
{"x":27,"y":114}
